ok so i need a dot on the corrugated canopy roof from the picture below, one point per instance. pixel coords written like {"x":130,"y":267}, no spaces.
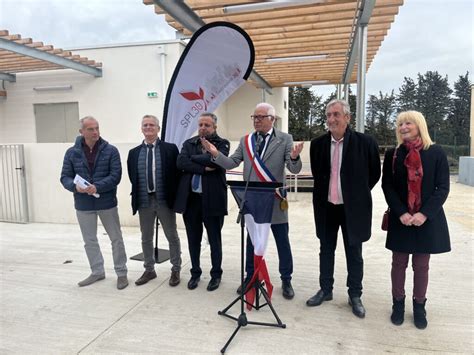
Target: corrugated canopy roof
{"x":23,"y":55}
{"x":324,"y":28}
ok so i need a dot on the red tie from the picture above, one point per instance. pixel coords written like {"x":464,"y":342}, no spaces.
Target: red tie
{"x":335,"y":174}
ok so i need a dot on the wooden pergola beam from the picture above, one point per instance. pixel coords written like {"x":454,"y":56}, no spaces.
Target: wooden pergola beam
{"x":308,"y":19}
{"x":300,"y":30}
{"x":22,"y":54}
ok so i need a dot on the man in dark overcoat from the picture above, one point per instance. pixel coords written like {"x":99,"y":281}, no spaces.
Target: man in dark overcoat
{"x":345,"y":166}
{"x":202,"y":198}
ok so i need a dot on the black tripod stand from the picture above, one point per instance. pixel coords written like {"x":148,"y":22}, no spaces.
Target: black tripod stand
{"x":242,"y":318}
{"x":161,"y":255}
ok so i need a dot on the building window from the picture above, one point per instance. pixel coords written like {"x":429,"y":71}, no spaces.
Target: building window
{"x":56,"y":122}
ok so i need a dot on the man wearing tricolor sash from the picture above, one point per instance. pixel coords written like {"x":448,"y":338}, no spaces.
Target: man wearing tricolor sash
{"x":269,"y":151}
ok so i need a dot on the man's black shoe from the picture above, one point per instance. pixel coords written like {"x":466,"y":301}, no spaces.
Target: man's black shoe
{"x":174,"y":279}
{"x":193,"y":283}
{"x":213,"y":284}
{"x":287,"y":289}
{"x":239,"y":289}
{"x":357,"y":306}
{"x":147,"y":276}
{"x":319,"y":298}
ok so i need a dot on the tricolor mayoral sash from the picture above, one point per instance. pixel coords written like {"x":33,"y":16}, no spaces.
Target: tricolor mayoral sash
{"x":264,"y":175}
{"x":258,"y":231}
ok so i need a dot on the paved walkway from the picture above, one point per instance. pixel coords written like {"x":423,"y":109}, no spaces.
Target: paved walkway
{"x":43,"y":310}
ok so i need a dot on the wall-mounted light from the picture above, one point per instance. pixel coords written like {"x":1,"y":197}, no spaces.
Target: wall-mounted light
{"x":268,"y":5}
{"x":306,"y":84}
{"x":296,"y":58}
{"x":52,"y":88}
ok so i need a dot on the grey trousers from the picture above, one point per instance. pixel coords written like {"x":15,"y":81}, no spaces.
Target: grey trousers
{"x":167,"y":217}
{"x":110,"y":219}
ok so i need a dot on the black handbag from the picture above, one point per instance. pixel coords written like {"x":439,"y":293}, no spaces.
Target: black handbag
{"x":385,"y":220}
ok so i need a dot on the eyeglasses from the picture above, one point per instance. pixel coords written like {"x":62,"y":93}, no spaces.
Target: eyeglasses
{"x":260,"y":117}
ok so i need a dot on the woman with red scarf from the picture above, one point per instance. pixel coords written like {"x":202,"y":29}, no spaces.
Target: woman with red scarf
{"x":416,"y":184}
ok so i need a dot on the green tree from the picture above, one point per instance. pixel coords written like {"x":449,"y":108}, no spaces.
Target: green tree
{"x":407,"y":94}
{"x":298,"y":110}
{"x":434,"y":101}
{"x":381,"y":112}
{"x":459,"y":115}
{"x":353,"y":105}
{"x":316,"y":126}
{"x":371,"y":117}
{"x":304,"y":109}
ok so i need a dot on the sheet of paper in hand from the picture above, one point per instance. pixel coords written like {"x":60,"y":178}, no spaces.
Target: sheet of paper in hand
{"x":83,"y":184}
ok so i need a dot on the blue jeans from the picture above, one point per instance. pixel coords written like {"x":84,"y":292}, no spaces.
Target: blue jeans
{"x":280,"y":233}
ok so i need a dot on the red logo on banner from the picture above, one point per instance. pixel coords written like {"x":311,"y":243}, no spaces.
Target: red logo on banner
{"x":193,"y":96}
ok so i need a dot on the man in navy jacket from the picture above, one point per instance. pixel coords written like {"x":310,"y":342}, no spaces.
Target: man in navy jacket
{"x":98,"y":162}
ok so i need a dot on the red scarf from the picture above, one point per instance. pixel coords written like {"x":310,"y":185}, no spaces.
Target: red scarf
{"x":415,"y":174}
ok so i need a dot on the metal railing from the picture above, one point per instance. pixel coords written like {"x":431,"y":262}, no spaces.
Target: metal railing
{"x":13,"y":198}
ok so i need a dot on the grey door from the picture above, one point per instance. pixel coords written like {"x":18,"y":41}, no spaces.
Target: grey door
{"x":13,"y":199}
{"x":57,"y":122}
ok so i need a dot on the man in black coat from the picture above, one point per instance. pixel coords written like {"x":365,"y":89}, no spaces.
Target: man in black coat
{"x":345,"y":166}
{"x":202,"y":198}
{"x":153,"y":174}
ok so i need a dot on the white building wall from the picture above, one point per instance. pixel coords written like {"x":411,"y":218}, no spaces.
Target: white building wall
{"x":2,"y":118}
{"x":118,"y":100}
{"x":240,"y":106}
{"x":49,"y":202}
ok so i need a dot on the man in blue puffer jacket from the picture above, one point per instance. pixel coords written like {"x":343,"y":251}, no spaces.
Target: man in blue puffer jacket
{"x":98,"y":162}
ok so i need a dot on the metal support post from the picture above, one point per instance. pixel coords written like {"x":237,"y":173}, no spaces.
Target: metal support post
{"x":361,"y":68}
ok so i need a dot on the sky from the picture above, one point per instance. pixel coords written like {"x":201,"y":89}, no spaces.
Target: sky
{"x":426,"y":35}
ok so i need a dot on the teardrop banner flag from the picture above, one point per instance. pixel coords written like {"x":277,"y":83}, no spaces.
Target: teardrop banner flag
{"x":215,"y":63}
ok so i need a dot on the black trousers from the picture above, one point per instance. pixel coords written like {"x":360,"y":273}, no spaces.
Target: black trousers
{"x":335,"y":218}
{"x":194,"y":220}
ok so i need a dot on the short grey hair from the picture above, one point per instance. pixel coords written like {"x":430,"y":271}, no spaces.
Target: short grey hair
{"x":157,"y":122}
{"x":211,"y":115}
{"x":344,"y":104}
{"x":269,"y":108}
{"x":83,"y":119}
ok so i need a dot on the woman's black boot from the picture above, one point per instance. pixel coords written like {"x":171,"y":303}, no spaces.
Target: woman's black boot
{"x":398,"y":311}
{"x":419,"y":314}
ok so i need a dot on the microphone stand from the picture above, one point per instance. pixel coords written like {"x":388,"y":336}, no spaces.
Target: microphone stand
{"x":242,"y":318}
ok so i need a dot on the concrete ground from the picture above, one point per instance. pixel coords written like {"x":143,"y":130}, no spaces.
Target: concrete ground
{"x":44,"y":311}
